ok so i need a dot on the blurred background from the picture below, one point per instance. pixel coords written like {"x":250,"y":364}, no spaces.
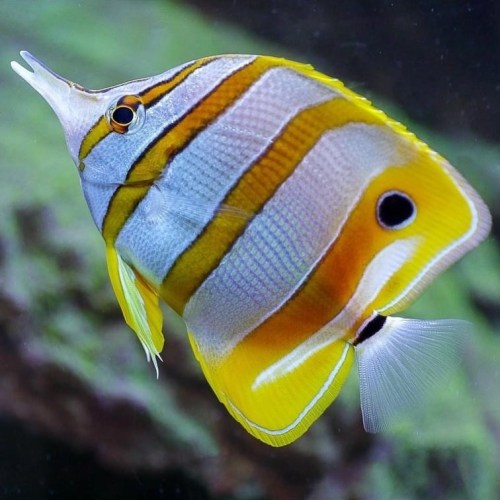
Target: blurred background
{"x":81,"y":412}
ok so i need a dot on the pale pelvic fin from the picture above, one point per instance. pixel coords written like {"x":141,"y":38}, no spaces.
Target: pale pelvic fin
{"x":139,"y":304}
{"x":400,"y":363}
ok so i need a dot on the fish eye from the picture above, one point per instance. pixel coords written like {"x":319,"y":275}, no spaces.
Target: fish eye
{"x":395,"y":210}
{"x":125,"y":115}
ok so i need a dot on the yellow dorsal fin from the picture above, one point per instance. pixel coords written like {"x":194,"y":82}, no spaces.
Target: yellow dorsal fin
{"x":276,"y":393}
{"x":139,"y":304}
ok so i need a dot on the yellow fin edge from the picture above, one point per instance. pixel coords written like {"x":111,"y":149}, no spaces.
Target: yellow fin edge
{"x":309,"y":71}
{"x":278,"y":408}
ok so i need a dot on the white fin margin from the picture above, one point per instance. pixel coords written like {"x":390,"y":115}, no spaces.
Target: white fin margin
{"x":401,"y":362}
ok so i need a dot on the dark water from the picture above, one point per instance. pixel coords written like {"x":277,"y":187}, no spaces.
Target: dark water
{"x":33,"y":465}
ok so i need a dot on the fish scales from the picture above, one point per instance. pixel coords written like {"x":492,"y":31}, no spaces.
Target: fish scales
{"x":331,"y":200}
{"x":214,"y":166}
{"x":123,"y":151}
{"x":253,"y":190}
{"x":156,"y":156}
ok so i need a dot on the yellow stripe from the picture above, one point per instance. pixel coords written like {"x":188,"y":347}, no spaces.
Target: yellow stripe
{"x":148,"y":97}
{"x":95,"y":135}
{"x":252,"y":191}
{"x":174,"y":139}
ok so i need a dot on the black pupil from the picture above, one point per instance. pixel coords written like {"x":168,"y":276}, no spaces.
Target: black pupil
{"x":123,"y":115}
{"x":395,"y":209}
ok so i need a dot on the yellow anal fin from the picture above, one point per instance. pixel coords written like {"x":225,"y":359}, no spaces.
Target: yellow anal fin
{"x":277,"y":401}
{"x":139,"y":304}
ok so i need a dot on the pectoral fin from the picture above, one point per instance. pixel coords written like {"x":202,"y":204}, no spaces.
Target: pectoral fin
{"x":402,"y":362}
{"x":139,"y":304}
{"x":276,"y":395}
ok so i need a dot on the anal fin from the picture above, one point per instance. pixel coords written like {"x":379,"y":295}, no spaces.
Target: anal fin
{"x":274,"y":401}
{"x":139,"y":304}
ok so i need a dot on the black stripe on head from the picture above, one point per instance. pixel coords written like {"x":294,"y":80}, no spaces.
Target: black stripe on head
{"x":170,"y":152}
{"x":173,"y":124}
{"x":167,"y":81}
{"x":143,"y":93}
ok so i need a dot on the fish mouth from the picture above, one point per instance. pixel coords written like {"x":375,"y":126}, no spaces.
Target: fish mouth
{"x":41,"y":73}
{"x":52,"y":87}
{"x":32,"y":61}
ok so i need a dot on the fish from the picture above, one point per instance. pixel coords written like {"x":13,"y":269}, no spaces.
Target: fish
{"x":285,"y":219}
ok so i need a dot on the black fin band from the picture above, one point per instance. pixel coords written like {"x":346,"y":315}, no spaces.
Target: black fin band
{"x":370,"y":329}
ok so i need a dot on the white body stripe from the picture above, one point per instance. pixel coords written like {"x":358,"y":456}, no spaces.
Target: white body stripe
{"x":184,"y":200}
{"x":109,"y":162}
{"x":286,"y":240}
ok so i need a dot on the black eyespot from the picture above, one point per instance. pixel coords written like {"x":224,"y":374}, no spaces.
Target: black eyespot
{"x":123,"y":115}
{"x":395,"y":210}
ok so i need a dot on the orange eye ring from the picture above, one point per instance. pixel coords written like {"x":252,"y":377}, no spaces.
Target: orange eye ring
{"x":124,"y":115}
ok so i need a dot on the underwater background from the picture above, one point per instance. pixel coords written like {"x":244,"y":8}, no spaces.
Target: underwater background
{"x":81,"y":412}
